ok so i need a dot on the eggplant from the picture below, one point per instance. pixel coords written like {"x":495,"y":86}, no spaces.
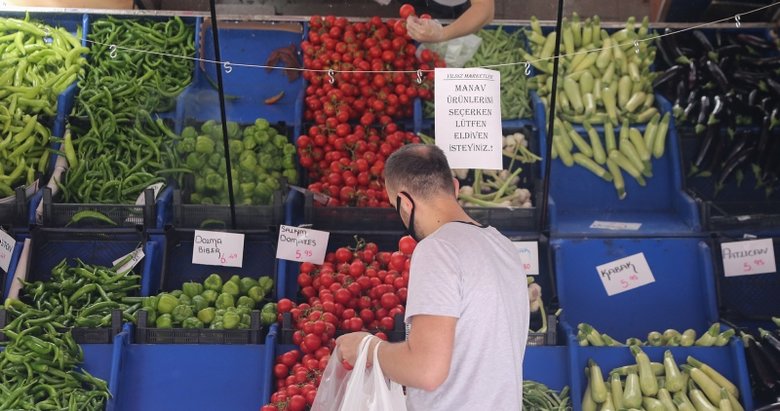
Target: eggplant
{"x":672,"y":73}
{"x":713,"y":131}
{"x":704,"y":111}
{"x":746,"y":78}
{"x":765,"y":375}
{"x":763,"y":140}
{"x":705,"y":44}
{"x":770,"y":339}
{"x":716,"y":110}
{"x":735,"y":162}
{"x":669,"y":46}
{"x":741,"y":142}
{"x":662,"y":48}
{"x":730,"y":50}
{"x":753,"y":41}
{"x":718,"y":76}
{"x":773,"y":85}
{"x":693,"y":75}
{"x":753,"y":98}
{"x":682,"y":91}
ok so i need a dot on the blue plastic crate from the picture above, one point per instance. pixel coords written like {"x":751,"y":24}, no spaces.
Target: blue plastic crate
{"x":193,"y":377}
{"x":682,"y":296}
{"x":8,"y":277}
{"x":49,"y":246}
{"x":548,"y":365}
{"x":245,"y":43}
{"x":578,"y":197}
{"x":729,"y":361}
{"x":176,"y":267}
{"x":747,"y":299}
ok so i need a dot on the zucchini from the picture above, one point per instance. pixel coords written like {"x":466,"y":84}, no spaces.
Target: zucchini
{"x":674,"y":378}
{"x":632,"y":394}
{"x":647,"y":381}
{"x":598,"y":390}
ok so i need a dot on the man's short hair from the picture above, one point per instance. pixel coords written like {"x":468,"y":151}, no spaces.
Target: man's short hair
{"x":420,"y":169}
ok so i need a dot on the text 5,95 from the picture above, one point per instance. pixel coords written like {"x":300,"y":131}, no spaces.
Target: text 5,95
{"x":303,"y":253}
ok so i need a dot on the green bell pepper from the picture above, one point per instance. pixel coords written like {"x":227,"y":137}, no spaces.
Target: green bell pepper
{"x":246,"y":319}
{"x":181,"y":312}
{"x":217,"y":325}
{"x":247,"y":283}
{"x":191,"y":288}
{"x":230,"y":320}
{"x":192,"y":322}
{"x":210,"y":296}
{"x":268,"y":314}
{"x":231,"y":288}
{"x":189,"y":132}
{"x":256,"y":293}
{"x":199,"y":303}
{"x":207,"y":315}
{"x":214,"y":181}
{"x":176,"y":293}
{"x":151,"y":315}
{"x":166,"y":303}
{"x":184,"y":299}
{"x":187,"y":145}
{"x":164,"y":321}
{"x":267,"y":283}
{"x":221,"y":312}
{"x":245,"y":301}
{"x":204,"y":145}
{"x":225,"y":300}
{"x":213,"y":282}
{"x":150,"y":303}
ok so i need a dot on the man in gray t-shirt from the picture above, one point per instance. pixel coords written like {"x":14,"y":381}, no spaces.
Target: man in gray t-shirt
{"x":468,"y":297}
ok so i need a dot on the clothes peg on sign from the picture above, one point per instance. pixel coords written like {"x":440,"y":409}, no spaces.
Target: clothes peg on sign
{"x":331,"y":76}
{"x":419,"y":76}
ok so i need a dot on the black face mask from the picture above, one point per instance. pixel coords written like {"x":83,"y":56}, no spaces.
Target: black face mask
{"x":410,"y":229}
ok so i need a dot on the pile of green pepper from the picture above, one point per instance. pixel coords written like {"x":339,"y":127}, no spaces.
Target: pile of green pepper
{"x":38,"y":62}
{"x":259,"y":156}
{"x":118,"y":148}
{"x":83,"y":295}
{"x":214,"y":304}
{"x":39,"y":366}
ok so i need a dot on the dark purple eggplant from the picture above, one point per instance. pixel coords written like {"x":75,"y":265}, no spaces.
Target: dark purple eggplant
{"x":689,"y":109}
{"x":770,"y":339}
{"x":753,"y":41}
{"x":772,"y":358}
{"x":730,"y":50}
{"x":746,"y":78}
{"x":693,"y":75}
{"x":765,"y":375}
{"x":670,"y":47}
{"x":753,"y":97}
{"x":682,"y":92}
{"x":735,"y":162}
{"x":672,"y":73}
{"x":740,"y":143}
{"x":705,"y":44}
{"x":704,"y":111}
{"x":773,"y":85}
{"x":716,"y":110}
{"x":706,"y":146}
{"x":718,"y":76}
{"x":763,"y":140}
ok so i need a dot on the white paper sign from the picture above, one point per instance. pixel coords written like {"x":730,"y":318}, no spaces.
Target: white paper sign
{"x":468,"y":117}
{"x":7,"y":244}
{"x":748,"y":257}
{"x":302,"y":244}
{"x":615,"y":225}
{"x":529,"y":253}
{"x":625,"y":274}
{"x":218,"y":248}
{"x":135,"y":257}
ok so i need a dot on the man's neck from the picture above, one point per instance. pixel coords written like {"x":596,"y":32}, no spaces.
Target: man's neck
{"x":444,"y":212}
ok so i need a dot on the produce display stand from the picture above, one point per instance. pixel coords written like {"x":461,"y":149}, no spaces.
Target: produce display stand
{"x":662,"y":206}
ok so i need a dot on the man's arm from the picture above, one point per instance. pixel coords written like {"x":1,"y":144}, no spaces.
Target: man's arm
{"x":479,"y":14}
{"x":422,"y":361}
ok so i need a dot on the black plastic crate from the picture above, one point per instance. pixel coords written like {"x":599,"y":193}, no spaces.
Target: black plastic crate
{"x":82,"y":335}
{"x":123,"y":215}
{"x":248,"y":217}
{"x":13,"y":212}
{"x":749,"y":297}
{"x":546,"y":338}
{"x":350,"y":219}
{"x":177,"y":268}
{"x":144,"y":334}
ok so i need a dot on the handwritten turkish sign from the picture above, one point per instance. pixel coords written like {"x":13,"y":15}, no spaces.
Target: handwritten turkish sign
{"x":302,"y":244}
{"x":218,"y":248}
{"x":748,"y":257}
{"x":625,"y":274}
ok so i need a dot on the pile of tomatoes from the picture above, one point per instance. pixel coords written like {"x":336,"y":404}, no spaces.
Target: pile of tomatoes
{"x":352,"y":128}
{"x":356,"y":289}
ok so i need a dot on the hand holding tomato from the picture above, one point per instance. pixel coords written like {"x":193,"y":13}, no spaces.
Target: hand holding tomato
{"x":424,"y":30}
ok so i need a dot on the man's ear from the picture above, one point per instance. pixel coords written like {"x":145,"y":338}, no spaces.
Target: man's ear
{"x":456,"y":183}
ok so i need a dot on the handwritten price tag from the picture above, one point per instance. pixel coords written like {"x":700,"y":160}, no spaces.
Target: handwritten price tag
{"x":218,"y":248}
{"x":748,"y":257}
{"x":7,"y":244}
{"x":302,"y":244}
{"x":625,"y":274}
{"x":529,"y":253}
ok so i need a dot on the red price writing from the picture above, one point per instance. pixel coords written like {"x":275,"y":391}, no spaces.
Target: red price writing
{"x":748,"y":267}
{"x":231,"y":257}
{"x":526,"y":266}
{"x":626,"y":283}
{"x":303,"y":253}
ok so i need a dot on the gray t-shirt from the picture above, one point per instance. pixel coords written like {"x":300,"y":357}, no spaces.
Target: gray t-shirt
{"x":475,"y":275}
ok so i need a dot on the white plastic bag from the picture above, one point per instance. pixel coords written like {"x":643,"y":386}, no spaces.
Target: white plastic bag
{"x":456,"y":52}
{"x":361,"y":389}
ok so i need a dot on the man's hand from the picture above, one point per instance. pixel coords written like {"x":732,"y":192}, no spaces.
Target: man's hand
{"x":424,"y":30}
{"x":349,"y":344}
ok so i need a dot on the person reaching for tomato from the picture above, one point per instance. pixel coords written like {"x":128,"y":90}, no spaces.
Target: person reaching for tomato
{"x":469,"y":17}
{"x":467,"y":303}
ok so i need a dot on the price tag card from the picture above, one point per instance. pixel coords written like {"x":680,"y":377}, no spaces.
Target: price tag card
{"x":7,"y":244}
{"x":218,"y":248}
{"x":748,"y":257}
{"x":529,"y":253}
{"x":625,"y":274}
{"x":615,"y":225}
{"x":302,"y":244}
{"x":468,"y":117}
{"x":134,"y":256}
